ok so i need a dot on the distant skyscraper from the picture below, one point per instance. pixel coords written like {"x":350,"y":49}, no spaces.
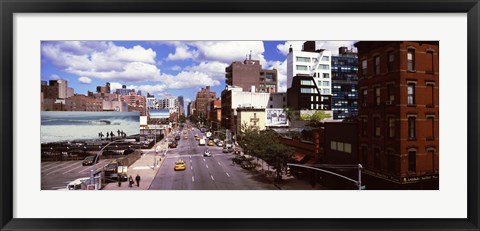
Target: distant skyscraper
{"x":125,"y":91}
{"x":344,"y":84}
{"x":203,"y":99}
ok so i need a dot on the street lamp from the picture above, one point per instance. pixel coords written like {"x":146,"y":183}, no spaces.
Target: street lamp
{"x":94,"y":169}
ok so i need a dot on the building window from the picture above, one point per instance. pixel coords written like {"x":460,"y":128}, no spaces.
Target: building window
{"x":377,"y":65}
{"x":429,"y":64}
{"x":391,"y":61}
{"x":271,"y":98}
{"x":269,"y":77}
{"x":326,"y":75}
{"x":411,"y":60}
{"x":325,"y":58}
{"x":364,"y":127}
{"x":302,"y":68}
{"x":323,"y":67}
{"x":364,"y":68}
{"x":307,"y":83}
{"x":326,"y":83}
{"x":412,"y":159}
{"x":411,"y":94}
{"x":284,"y":99}
{"x":333,"y":145}
{"x":391,"y":127}
{"x":376,"y":160}
{"x":308,"y":90}
{"x":377,"y":96}
{"x":348,"y":148}
{"x":431,"y":121}
{"x":411,"y":127}
{"x":430,"y":88}
{"x":391,"y":96}
{"x":326,"y":91}
{"x":303,"y":59}
{"x":376,"y":126}
{"x":364,"y":97}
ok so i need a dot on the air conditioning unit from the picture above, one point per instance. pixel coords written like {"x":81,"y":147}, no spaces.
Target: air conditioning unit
{"x":388,"y":102}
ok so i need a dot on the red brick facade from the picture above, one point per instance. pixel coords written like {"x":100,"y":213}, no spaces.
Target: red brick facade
{"x":399,"y":113}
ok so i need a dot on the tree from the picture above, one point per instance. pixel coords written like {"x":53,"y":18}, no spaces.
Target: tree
{"x":182,"y":118}
{"x":316,"y":118}
{"x":266,"y":146}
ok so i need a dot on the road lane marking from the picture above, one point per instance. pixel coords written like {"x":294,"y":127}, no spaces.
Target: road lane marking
{"x":227,"y":174}
{"x":212,"y":177}
{"x":190,"y":156}
{"x":206,"y":165}
{"x":193,"y":179}
{"x":55,"y":166}
{"x":61,"y":168}
{"x":203,"y":159}
{"x":73,"y":169}
{"x":219,"y":163}
{"x":191,"y":167}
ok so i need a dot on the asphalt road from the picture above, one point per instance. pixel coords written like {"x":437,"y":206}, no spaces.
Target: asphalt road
{"x":57,"y":174}
{"x":204,"y":173}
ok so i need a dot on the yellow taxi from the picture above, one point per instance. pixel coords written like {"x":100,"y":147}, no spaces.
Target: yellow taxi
{"x":184,"y":132}
{"x":211,"y":143}
{"x":185,"y":137}
{"x":180,"y":165}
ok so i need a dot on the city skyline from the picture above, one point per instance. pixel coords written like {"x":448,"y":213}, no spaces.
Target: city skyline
{"x":161,"y":68}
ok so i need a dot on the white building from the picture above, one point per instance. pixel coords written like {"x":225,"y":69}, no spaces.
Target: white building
{"x":277,"y":100}
{"x":309,"y":61}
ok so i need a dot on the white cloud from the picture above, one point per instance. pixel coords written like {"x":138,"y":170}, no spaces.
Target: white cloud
{"x":84,"y":80}
{"x":183,"y":52}
{"x":214,"y":69}
{"x":221,"y":51}
{"x":114,"y":86}
{"x":175,"y":68}
{"x":296,"y":45}
{"x":152,"y":89}
{"x":103,"y":60}
{"x":188,"y":100}
{"x":188,"y":79}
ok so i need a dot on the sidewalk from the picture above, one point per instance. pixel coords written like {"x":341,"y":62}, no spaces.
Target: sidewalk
{"x":143,"y":167}
{"x":288,"y":182}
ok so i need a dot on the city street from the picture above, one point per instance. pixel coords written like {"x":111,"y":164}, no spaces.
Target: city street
{"x":211,"y":173}
{"x":57,"y":174}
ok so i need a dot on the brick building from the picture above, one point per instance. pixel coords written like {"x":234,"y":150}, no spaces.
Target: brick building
{"x":250,"y":73}
{"x":215,"y":113}
{"x":83,"y":103}
{"x":202,"y":100}
{"x":399,"y":114}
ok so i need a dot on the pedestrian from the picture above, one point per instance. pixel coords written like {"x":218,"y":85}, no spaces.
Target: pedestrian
{"x":111,"y":135}
{"x":137,"y":179}
{"x":118,"y":132}
{"x":119,"y":181}
{"x":107,"y":135}
{"x":130,"y":181}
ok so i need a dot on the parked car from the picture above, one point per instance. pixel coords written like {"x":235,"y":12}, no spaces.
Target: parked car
{"x":90,"y":160}
{"x":239,"y":159}
{"x":219,"y":143}
{"x":247,"y":165}
{"x":210,"y":143}
{"x":173,"y":145}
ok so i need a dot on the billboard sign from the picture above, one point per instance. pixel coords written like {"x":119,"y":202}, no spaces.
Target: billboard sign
{"x":276,"y":117}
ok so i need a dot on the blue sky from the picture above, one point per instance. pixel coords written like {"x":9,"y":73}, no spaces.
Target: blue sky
{"x":161,"y":68}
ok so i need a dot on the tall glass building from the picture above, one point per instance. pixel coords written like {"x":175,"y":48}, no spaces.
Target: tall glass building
{"x":344,"y":84}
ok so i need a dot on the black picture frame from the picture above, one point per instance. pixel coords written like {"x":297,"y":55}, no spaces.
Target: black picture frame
{"x":9,"y":7}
